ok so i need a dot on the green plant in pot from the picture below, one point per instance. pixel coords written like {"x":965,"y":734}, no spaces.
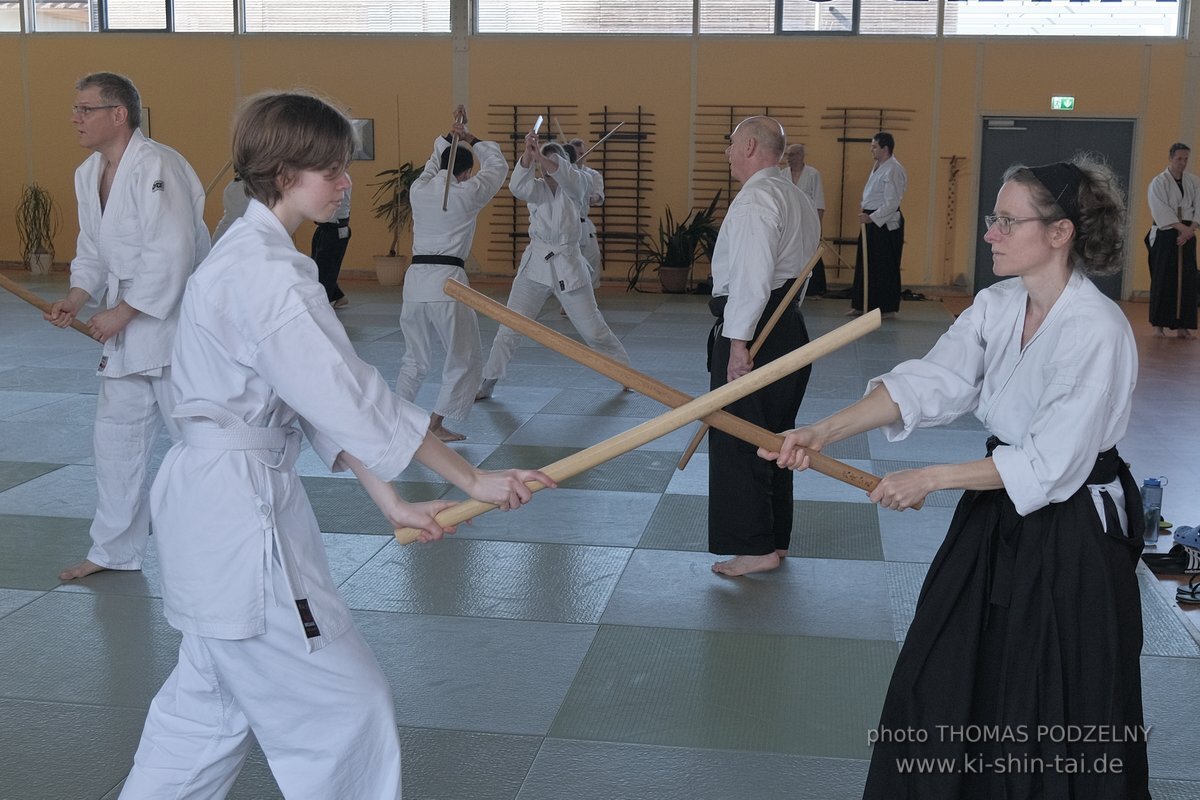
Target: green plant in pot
{"x":37,"y":222}
{"x":679,"y":243}
{"x":391,"y":204}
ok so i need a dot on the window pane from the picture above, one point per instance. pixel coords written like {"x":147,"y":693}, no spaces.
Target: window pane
{"x":10,"y":17}
{"x":1062,"y":18}
{"x":348,"y":16}
{"x":899,"y":17}
{"x":204,"y":16}
{"x":737,"y":16}
{"x":835,"y":16}
{"x":50,"y":15}
{"x":133,"y":15}
{"x":583,"y":16}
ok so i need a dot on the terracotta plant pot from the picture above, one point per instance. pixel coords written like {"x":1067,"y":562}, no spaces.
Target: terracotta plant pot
{"x":674,"y":279}
{"x":40,"y":263}
{"x":390,"y":269}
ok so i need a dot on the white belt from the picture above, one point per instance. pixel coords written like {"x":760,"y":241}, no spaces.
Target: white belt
{"x":210,"y":427}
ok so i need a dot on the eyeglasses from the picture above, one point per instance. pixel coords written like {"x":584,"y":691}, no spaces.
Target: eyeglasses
{"x":84,"y":111}
{"x":1004,"y":224}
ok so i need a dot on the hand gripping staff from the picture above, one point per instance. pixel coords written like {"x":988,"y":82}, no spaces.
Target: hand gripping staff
{"x":797,"y":284}
{"x":39,"y":303}
{"x":652,"y":429}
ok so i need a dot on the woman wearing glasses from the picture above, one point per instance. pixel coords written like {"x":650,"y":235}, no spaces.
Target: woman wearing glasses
{"x":1021,"y":666}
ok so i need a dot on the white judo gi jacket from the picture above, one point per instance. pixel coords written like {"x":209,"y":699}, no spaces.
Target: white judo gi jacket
{"x":1170,"y":206}
{"x":449,"y":232}
{"x":259,"y":349}
{"x":553,"y":257}
{"x":141,"y":249}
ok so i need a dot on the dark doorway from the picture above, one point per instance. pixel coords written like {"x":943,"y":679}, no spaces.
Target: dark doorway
{"x":1010,"y":140}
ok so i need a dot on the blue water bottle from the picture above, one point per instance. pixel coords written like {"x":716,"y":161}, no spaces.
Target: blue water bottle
{"x":1152,"y":509}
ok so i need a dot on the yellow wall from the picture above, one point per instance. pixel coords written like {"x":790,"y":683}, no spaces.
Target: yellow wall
{"x":191,"y":83}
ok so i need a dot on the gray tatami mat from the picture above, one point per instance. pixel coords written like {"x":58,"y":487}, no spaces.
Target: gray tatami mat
{"x":606,"y":770}
{"x":701,"y":689}
{"x":343,"y":506}
{"x":511,"y":580}
{"x":14,"y":473}
{"x":820,"y":529}
{"x":1164,"y":633}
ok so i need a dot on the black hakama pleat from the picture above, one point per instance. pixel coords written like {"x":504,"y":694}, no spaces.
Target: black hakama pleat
{"x":1168,"y":308}
{"x":1025,"y":626}
{"x":885,"y":248}
{"x":750,"y":501}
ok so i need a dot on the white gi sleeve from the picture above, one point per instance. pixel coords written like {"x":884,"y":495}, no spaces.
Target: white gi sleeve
{"x":493,"y":169}
{"x":752,"y":259}
{"x":87,"y":272}
{"x":525,"y":185}
{"x":942,"y":386}
{"x":310,"y":363}
{"x":1161,"y":197}
{"x":166,"y":197}
{"x":893,"y":191}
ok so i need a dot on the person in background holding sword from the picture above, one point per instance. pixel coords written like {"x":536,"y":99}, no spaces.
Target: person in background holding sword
{"x":552,"y":263}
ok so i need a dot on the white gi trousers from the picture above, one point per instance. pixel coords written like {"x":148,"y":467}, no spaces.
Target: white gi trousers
{"x":589,"y":246}
{"x":527,"y":298}
{"x":457,"y":328}
{"x":340,"y":741}
{"x":130,"y":413}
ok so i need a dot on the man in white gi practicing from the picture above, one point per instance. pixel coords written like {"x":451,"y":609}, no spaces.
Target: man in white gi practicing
{"x":885,"y":232}
{"x":141,"y":233}
{"x":808,"y":179}
{"x":769,"y":234}
{"x":1174,"y":197}
{"x":552,"y":263}
{"x":441,"y":244}
{"x":589,"y":245}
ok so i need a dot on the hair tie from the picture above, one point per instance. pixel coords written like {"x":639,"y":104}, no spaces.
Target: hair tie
{"x":1062,"y":181}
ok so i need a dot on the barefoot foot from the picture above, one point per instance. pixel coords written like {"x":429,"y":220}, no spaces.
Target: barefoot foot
{"x":744,"y":565}
{"x":80,"y":570}
{"x":486,"y":388}
{"x":446,"y":435}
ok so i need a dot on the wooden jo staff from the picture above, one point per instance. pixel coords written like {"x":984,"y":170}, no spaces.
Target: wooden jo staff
{"x":866,"y":269}
{"x":644,"y":384}
{"x":690,"y":450}
{"x":38,"y":302}
{"x":652,"y":429}
{"x":602,"y":140}
{"x":1179,"y":285}
{"x":208,"y":189}
{"x":450,"y":164}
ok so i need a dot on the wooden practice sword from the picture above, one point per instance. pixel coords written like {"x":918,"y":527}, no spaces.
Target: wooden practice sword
{"x":38,"y":302}
{"x":676,"y":418}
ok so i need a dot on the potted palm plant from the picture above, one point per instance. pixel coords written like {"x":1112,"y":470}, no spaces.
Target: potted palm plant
{"x":390,"y":203}
{"x":679,"y":243}
{"x":37,"y":223}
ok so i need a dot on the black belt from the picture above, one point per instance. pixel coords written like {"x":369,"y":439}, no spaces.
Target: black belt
{"x":717,"y":304}
{"x":1103,"y":471}
{"x":448,"y":260}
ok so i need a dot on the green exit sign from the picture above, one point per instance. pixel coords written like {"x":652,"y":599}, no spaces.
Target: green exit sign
{"x":1064,"y":103}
